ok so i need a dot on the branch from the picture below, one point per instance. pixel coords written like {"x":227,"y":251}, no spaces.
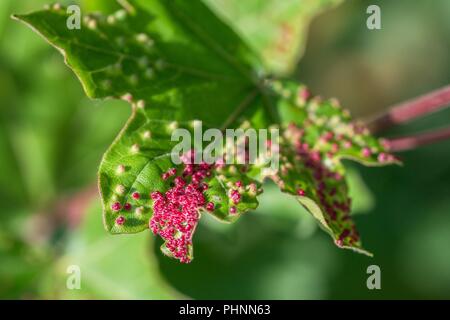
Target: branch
{"x":411,"y":109}
{"x":412,"y":142}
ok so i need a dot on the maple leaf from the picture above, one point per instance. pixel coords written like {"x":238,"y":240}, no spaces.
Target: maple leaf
{"x":177,"y":64}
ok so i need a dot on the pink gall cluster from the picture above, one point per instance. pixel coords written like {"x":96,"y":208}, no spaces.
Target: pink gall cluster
{"x":325,"y":182}
{"x":176,"y":212}
{"x":337,"y":210}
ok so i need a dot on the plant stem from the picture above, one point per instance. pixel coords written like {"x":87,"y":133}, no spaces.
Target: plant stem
{"x":411,"y":109}
{"x":412,"y":142}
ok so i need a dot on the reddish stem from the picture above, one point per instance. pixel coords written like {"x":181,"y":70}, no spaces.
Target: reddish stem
{"x":412,"y":142}
{"x":412,"y":109}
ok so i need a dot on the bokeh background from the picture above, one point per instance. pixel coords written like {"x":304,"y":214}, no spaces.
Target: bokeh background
{"x":52,"y":139}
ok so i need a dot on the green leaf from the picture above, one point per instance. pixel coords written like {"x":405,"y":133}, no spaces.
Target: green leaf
{"x":177,"y":64}
{"x":171,"y":68}
{"x":320,"y":134}
{"x":275,"y":29}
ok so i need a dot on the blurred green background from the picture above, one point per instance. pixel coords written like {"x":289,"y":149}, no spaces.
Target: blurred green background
{"x":52,"y":139}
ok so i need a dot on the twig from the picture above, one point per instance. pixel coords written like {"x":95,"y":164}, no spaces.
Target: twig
{"x":411,"y":109}
{"x":412,"y":142}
